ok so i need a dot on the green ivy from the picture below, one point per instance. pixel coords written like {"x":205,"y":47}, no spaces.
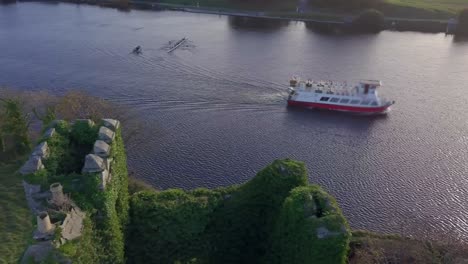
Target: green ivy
{"x":120,"y":173}
{"x":87,"y":249}
{"x":169,"y":226}
{"x":242,"y":226}
{"x":40,"y":177}
{"x":84,"y":134}
{"x":62,"y":127}
{"x":305,"y":211}
{"x":269,"y":219}
{"x":59,"y":157}
{"x":226,"y":225}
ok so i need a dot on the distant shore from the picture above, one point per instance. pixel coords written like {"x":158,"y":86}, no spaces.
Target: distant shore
{"x":434,"y":25}
{"x":320,"y":18}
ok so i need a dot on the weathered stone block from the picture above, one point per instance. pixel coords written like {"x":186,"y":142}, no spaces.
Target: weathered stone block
{"x":106,"y":135}
{"x":101,"y":148}
{"x":93,"y":163}
{"x":43,"y":223}
{"x":72,"y":226}
{"x":33,"y":164}
{"x":31,"y":191}
{"x":37,"y":252}
{"x":49,"y":133}
{"x":111,"y":123}
{"x":58,"y":198}
{"x":104,"y":178}
{"x":41,"y":150}
{"x":108,"y":163}
{"x":56,"y":122}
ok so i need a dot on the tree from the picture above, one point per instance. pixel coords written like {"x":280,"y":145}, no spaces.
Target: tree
{"x":462,"y":27}
{"x":369,"y":21}
{"x":47,"y":117}
{"x":14,"y":127}
{"x":344,"y":4}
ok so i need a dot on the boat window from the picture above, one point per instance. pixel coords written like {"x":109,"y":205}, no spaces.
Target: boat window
{"x":334,"y":100}
{"x":324,"y":99}
{"x":365,"y":102}
{"x":318,"y":91}
{"x":354,"y":101}
{"x":344,"y":101}
{"x":330,"y":92}
{"x":374,"y":103}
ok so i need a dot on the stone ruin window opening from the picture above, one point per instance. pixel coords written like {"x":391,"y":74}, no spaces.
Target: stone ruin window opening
{"x":319,"y":211}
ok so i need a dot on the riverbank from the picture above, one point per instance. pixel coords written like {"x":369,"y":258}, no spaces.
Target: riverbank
{"x":397,"y":17}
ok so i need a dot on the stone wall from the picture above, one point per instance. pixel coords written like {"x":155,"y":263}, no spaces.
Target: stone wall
{"x":99,"y":161}
{"x":42,"y":202}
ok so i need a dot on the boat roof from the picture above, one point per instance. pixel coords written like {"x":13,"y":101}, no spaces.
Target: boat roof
{"x":371,"y":82}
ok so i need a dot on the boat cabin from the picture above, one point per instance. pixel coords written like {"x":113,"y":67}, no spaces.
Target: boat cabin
{"x":368,"y":86}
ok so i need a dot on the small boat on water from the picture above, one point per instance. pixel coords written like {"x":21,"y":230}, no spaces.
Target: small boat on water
{"x":177,"y":44}
{"x":137,"y":50}
{"x":359,"y":98}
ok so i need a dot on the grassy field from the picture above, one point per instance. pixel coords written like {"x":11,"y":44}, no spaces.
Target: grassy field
{"x":449,"y":6}
{"x":435,"y":9}
{"x":15,"y":217}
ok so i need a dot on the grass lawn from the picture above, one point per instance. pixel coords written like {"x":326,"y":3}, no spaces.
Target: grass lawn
{"x":15,"y":218}
{"x":449,"y":6}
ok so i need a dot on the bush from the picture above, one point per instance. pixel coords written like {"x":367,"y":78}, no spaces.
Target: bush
{"x":59,"y":158}
{"x":84,"y":134}
{"x":462,"y":27}
{"x":369,"y":21}
{"x":136,"y":185}
{"x":62,"y":127}
{"x":14,"y":124}
{"x":345,"y":4}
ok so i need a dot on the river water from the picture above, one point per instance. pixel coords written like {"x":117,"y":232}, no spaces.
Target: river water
{"x":216,"y":108}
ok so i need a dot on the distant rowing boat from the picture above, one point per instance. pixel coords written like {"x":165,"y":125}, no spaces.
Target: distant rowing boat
{"x":177,"y":44}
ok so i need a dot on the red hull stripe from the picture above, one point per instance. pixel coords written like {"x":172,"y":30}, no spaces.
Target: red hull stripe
{"x":339,"y":107}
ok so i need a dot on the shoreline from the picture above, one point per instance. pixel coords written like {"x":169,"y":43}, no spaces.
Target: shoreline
{"x":322,"y":20}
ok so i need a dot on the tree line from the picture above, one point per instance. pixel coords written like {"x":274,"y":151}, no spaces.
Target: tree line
{"x":23,"y":113}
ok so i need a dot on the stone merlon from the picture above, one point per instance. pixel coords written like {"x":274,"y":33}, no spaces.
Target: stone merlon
{"x":111,"y":123}
{"x":33,"y":164}
{"x":41,"y":150}
{"x":101,"y":148}
{"x":93,"y":163}
{"x":49,"y":133}
{"x":106,"y":135}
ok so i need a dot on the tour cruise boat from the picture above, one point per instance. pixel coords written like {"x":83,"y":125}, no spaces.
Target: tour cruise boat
{"x":360,"y":98}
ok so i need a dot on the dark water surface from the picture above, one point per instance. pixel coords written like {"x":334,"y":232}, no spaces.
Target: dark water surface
{"x":217,"y":109}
